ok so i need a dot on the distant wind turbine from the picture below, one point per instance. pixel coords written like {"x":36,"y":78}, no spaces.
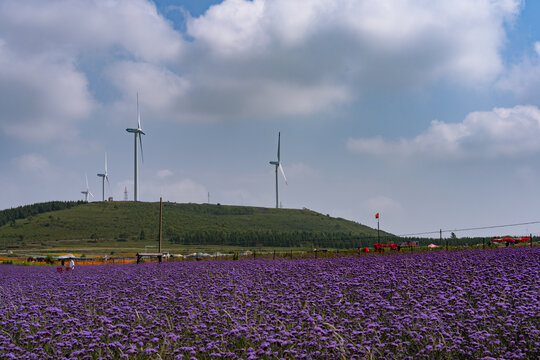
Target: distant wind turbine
{"x":104,"y":176}
{"x":87,"y":191}
{"x":278,"y":166}
{"x":137,"y":132}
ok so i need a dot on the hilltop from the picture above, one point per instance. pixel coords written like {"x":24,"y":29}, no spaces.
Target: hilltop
{"x":134,"y":224}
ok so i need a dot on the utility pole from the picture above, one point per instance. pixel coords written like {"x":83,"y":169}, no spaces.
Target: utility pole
{"x":446,"y":240}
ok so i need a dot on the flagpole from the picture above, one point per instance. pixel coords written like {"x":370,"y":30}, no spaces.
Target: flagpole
{"x":378,"y":237}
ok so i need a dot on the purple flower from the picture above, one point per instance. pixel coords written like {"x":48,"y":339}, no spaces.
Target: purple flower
{"x":472,"y":304}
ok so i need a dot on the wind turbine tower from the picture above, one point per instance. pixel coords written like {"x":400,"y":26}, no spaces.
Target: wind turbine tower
{"x":137,"y":132}
{"x":277,"y":164}
{"x":87,"y":191}
{"x":104,"y":176}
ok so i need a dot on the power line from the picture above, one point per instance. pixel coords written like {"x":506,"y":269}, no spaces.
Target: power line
{"x":473,"y":228}
{"x":420,"y":233}
{"x":496,"y":226}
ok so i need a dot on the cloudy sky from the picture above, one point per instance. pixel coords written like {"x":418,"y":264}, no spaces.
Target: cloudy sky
{"x":427,"y":112}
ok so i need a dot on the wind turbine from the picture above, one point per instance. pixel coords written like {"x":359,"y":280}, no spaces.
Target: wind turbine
{"x":104,"y":177}
{"x":137,"y":132}
{"x":277,"y":164}
{"x":87,"y":191}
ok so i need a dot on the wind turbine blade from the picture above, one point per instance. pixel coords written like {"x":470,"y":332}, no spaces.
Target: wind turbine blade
{"x":140,"y":143}
{"x":105,"y":164}
{"x":278,"y":145}
{"x":86,"y":176}
{"x":283,"y":173}
{"x":90,"y":193}
{"x":138,"y":113}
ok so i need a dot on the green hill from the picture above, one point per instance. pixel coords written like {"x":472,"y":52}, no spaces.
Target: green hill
{"x":134,"y":224}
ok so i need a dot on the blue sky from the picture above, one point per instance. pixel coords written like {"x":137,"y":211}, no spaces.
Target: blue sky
{"x":424,"y":111}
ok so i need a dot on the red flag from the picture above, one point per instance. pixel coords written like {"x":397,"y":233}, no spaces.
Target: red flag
{"x":376,"y":215}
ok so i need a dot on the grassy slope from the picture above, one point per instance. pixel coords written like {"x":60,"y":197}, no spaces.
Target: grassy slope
{"x":125,"y":220}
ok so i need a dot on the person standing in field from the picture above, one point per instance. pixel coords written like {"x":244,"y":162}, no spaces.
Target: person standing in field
{"x":71,"y":264}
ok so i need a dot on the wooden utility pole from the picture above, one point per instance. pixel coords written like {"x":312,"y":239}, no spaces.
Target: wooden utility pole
{"x":440,"y":232}
{"x":160,"y":222}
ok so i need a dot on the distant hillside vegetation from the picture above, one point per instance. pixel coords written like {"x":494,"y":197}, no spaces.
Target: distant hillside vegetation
{"x":185,"y":224}
{"x":22,"y":212}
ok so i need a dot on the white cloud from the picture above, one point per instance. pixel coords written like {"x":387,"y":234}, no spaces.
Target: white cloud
{"x":42,"y":96}
{"x":160,"y":90}
{"x":265,"y":59}
{"x":523,"y":79}
{"x":162,"y":174}
{"x":50,"y":52}
{"x":428,"y":40}
{"x":227,"y":98}
{"x":232,"y":28}
{"x":77,"y":27}
{"x":500,"y":132}
{"x":245,"y":59}
{"x":33,"y":164}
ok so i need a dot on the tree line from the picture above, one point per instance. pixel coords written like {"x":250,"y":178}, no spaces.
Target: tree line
{"x":308,"y":239}
{"x":272,"y":238}
{"x":23,"y":212}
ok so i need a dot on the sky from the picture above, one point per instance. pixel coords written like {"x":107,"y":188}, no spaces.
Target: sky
{"x":426,"y":112}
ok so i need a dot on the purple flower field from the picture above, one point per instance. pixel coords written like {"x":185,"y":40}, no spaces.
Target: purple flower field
{"x":441,"y":305}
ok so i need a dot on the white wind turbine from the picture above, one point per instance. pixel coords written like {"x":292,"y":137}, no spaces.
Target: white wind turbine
{"x":104,"y":176}
{"x":278,"y":166}
{"x":137,"y":132}
{"x":87,"y":191}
